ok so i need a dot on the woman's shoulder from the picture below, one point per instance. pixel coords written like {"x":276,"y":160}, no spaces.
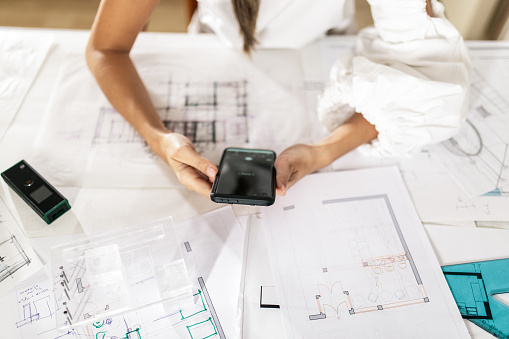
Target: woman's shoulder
{"x":280,"y":23}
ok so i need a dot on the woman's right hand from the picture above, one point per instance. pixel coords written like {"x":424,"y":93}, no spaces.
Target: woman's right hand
{"x":113,"y":33}
{"x":192,"y":169}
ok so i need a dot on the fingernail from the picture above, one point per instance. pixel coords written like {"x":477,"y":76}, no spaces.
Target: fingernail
{"x":211,"y":172}
{"x":283,"y":188}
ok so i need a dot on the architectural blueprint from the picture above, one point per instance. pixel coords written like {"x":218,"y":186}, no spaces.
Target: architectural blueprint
{"x":17,"y":258}
{"x":207,"y":112}
{"x":479,"y":155}
{"x":229,"y":100}
{"x":350,"y":257}
{"x":212,"y":247}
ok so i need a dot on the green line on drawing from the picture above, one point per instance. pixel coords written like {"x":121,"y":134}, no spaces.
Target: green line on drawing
{"x":97,"y":335}
{"x":137,"y":332}
{"x":202,"y":302}
{"x":214,"y":326}
{"x":201,"y":322}
{"x":98,"y":324}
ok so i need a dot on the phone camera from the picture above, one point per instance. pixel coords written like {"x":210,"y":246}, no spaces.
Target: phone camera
{"x":28,"y":182}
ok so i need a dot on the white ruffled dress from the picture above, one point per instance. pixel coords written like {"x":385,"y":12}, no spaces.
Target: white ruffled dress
{"x":409,"y":77}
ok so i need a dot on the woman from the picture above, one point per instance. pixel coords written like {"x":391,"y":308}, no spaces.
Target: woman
{"x":274,"y":23}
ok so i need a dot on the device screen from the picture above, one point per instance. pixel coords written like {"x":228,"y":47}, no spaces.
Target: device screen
{"x":246,"y":172}
{"x":41,"y":194}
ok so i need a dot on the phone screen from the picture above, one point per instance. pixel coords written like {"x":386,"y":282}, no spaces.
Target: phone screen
{"x":245,"y":172}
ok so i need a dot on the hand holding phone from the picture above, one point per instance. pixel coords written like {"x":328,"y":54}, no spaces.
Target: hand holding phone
{"x":246,"y":176}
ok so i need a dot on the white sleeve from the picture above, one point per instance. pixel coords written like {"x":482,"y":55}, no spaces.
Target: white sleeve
{"x":409,"y":77}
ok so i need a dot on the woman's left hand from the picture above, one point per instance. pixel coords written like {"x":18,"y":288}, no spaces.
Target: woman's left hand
{"x":293,"y":164}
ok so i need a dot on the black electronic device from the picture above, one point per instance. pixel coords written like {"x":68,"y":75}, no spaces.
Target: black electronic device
{"x":245,"y":176}
{"x":43,"y":198}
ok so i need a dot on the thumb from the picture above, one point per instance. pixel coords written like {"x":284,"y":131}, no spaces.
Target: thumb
{"x":189,"y":156}
{"x":283,"y":174}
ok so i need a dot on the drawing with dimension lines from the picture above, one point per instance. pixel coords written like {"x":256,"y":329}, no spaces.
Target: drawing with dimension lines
{"x":478,"y":156}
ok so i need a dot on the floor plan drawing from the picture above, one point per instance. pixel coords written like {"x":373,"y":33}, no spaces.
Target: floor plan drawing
{"x":377,"y":252}
{"x":348,"y":256}
{"x":208,"y":113}
{"x":229,"y":101}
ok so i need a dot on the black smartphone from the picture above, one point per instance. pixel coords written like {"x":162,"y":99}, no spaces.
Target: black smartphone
{"x":245,"y":176}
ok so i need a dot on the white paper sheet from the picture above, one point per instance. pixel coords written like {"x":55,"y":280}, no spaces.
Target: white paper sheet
{"x":32,"y":224}
{"x":457,"y":245}
{"x":212,"y":247}
{"x":21,"y":57}
{"x":257,"y":273}
{"x":213,"y":250}
{"x":424,"y":176}
{"x":102,"y":209}
{"x":17,"y":258}
{"x":438,"y":197}
{"x":225,"y":99}
{"x":350,"y":256}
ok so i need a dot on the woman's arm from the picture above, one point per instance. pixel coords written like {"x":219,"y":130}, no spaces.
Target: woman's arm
{"x":300,"y":160}
{"x":113,"y":33}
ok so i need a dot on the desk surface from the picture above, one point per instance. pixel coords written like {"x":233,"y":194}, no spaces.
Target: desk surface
{"x":113,"y":206}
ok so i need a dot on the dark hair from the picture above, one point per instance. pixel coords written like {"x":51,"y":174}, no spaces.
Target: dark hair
{"x":246,"y":12}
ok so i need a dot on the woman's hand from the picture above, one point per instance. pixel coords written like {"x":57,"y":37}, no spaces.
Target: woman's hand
{"x":300,"y":160}
{"x":293,"y":164}
{"x":192,"y":169}
{"x":113,"y":33}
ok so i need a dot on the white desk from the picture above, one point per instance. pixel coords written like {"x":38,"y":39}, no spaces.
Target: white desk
{"x":118,"y":207}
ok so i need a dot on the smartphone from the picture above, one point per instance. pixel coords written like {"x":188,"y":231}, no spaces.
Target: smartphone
{"x":245,"y":176}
